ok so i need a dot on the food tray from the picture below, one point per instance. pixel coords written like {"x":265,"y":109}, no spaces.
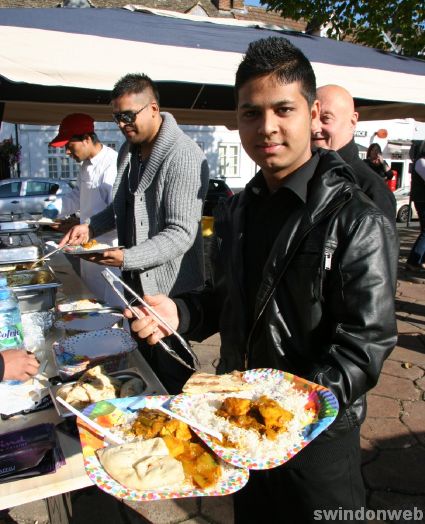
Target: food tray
{"x":84,"y":305}
{"x":79,"y":250}
{"x":109,"y":413}
{"x":109,"y":347}
{"x":321,"y":401}
{"x":124,"y":375}
{"x":20,"y":225}
{"x":87,"y":320}
{"x":35,"y":289}
{"x":20,"y":247}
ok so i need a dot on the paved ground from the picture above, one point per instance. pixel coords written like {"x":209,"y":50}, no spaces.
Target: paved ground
{"x":393,"y":435}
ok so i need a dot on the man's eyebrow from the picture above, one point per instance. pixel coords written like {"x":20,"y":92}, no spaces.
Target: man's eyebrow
{"x":277,"y":103}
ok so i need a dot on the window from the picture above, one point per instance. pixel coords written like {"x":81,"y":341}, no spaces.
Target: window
{"x":59,"y":164}
{"x":35,"y":188}
{"x":10,"y":190}
{"x":228,"y":157}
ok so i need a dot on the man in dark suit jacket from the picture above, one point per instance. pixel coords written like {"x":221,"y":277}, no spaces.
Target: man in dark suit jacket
{"x":338,"y":122}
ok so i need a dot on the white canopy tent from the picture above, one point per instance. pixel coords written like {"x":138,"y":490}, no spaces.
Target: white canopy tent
{"x":57,"y":61}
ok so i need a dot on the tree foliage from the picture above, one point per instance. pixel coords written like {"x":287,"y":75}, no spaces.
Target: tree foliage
{"x":393,"y":25}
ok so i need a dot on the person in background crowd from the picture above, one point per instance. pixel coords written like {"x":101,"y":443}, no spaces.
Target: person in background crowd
{"x":92,"y":193}
{"x":375,"y":161}
{"x":157,"y":207}
{"x":338,"y":120}
{"x":17,"y":364}
{"x":278,"y":301}
{"x":416,"y":258}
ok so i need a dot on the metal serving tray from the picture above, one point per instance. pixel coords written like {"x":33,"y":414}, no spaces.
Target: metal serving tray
{"x":17,"y":222}
{"x":20,"y":247}
{"x":151,"y":387}
{"x":35,"y":289}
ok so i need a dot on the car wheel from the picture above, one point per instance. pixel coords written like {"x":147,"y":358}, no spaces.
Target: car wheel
{"x":403,"y":214}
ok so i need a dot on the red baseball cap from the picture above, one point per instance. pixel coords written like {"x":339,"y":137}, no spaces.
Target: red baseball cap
{"x":71,"y":125}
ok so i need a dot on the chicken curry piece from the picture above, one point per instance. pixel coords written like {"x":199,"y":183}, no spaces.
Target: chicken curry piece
{"x":200,"y":465}
{"x":264,"y":415}
{"x":91,"y":243}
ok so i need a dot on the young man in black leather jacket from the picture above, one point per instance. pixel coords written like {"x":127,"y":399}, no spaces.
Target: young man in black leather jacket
{"x":304,"y":281}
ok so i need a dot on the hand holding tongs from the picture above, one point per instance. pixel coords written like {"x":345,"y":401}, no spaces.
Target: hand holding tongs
{"x":111,"y":278}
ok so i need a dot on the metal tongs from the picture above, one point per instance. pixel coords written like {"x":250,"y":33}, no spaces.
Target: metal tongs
{"x":45,"y":257}
{"x":111,"y":278}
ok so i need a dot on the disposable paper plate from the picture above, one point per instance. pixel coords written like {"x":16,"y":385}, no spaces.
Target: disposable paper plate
{"x":109,"y":346}
{"x":79,"y":250}
{"x":322,"y":406}
{"x":112,"y":412}
{"x":88,"y":321}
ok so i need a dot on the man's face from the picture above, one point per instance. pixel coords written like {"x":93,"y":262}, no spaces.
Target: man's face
{"x":78,"y":149}
{"x":274,"y":123}
{"x":144,"y":127}
{"x":337,"y":121}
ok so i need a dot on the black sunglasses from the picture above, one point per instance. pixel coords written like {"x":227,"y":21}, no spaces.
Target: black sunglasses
{"x":127,"y":117}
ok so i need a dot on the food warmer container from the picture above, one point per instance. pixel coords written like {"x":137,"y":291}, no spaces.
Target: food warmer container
{"x":35,"y":289}
{"x":17,"y":222}
{"x":20,"y":247}
{"x":149,"y":384}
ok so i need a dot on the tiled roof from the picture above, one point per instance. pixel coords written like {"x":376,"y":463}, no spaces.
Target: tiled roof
{"x":249,"y":13}
{"x":269,"y":17}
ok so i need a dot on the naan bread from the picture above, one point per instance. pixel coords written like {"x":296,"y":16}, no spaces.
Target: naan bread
{"x":206,"y":383}
{"x":142,"y":465}
{"x":91,"y":387}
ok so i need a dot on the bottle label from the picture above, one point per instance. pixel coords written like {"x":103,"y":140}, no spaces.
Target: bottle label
{"x":11,"y":337}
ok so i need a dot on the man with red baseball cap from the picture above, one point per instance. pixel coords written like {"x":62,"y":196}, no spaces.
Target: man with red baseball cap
{"x":73,"y":125}
{"x":93,"y":192}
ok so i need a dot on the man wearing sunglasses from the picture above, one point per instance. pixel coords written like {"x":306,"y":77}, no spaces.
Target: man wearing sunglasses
{"x":93,"y":192}
{"x":157,"y":204}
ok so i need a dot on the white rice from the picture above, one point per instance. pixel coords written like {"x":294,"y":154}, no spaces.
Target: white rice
{"x":249,"y":442}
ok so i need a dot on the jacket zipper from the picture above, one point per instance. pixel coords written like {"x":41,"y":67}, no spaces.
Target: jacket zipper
{"x":329,"y":250}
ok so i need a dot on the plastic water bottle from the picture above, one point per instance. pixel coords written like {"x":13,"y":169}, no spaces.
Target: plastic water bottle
{"x":11,"y":332}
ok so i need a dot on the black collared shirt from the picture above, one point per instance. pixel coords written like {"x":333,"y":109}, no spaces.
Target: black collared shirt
{"x":265,"y":215}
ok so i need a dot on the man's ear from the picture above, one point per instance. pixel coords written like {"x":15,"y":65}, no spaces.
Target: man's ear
{"x":315,"y":115}
{"x":354,"y":119}
{"x":155,"y":108}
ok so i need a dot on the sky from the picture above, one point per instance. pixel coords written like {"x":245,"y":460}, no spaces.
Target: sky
{"x":252,"y":2}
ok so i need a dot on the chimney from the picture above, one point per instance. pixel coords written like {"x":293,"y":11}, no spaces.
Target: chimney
{"x":227,"y":5}
{"x":238,"y":4}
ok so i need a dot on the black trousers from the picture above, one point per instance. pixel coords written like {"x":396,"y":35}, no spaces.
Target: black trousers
{"x":324,"y":477}
{"x":170,"y":372}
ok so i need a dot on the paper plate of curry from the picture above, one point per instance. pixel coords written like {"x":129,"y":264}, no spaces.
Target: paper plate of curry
{"x":161,"y":458}
{"x":263,"y":423}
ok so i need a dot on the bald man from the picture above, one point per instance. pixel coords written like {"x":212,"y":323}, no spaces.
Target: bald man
{"x":338,"y":120}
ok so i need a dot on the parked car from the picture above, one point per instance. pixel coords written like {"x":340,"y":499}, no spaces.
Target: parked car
{"x":402,"y":197}
{"x":218,"y":191}
{"x":29,"y":195}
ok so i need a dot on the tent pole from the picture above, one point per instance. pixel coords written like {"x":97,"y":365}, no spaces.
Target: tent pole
{"x":197,"y":96}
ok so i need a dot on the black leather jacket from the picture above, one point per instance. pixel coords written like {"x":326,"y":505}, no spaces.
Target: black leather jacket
{"x":325,"y":308}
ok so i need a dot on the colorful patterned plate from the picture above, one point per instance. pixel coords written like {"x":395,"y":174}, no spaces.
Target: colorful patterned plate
{"x":113,"y":412}
{"x":74,"y":354}
{"x":322,"y":403}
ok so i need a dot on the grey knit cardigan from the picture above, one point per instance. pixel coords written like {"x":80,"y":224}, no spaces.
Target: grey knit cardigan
{"x":167,"y":208}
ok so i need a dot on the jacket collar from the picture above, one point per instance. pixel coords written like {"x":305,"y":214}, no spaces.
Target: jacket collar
{"x":168,"y":135}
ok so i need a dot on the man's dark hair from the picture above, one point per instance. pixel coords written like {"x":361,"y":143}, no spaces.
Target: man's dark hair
{"x":277,"y":56}
{"x":135,"y":83}
{"x":93,"y":136}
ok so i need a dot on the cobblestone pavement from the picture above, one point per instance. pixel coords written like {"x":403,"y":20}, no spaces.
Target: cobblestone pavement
{"x":393,"y":435}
